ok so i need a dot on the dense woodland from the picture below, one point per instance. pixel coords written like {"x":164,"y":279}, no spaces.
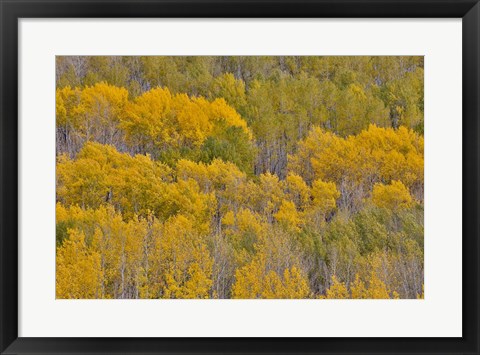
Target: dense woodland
{"x":239,"y":177}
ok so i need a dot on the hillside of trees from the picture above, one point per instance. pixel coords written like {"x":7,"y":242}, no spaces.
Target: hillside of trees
{"x":239,"y":177}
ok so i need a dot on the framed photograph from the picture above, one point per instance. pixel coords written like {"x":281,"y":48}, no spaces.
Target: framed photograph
{"x":239,"y":177}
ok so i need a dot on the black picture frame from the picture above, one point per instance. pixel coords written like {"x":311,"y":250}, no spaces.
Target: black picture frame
{"x":12,"y":11}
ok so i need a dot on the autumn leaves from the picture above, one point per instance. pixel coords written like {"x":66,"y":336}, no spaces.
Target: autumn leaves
{"x":164,"y":125}
{"x":138,"y":228}
{"x":306,"y":184}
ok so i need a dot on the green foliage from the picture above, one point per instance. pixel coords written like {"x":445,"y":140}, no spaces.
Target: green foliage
{"x":231,"y":144}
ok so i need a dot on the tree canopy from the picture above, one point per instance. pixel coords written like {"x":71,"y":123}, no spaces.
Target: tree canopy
{"x":239,"y":177}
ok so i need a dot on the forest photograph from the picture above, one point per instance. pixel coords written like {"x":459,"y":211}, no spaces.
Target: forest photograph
{"x":239,"y":177}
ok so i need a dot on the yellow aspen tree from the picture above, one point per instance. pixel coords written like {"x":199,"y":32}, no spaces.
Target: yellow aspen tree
{"x":288,"y":216}
{"x":185,"y":198}
{"x":295,"y":285}
{"x":78,"y":272}
{"x":100,"y":174}
{"x":269,"y":196}
{"x":324,"y":201}
{"x":254,"y":281}
{"x":393,"y":196}
{"x":324,"y":195}
{"x":219,"y":111}
{"x":337,"y":290}
{"x":298,"y":191}
{"x":67,"y":123}
{"x":357,"y":162}
{"x":272,"y":286}
{"x":377,"y":288}
{"x":159,"y":119}
{"x":149,"y":120}
{"x":249,"y":280}
{"x":185,"y":262}
{"x":224,"y":179}
{"x":100,"y":111}
{"x":66,"y":99}
{"x":358,"y":289}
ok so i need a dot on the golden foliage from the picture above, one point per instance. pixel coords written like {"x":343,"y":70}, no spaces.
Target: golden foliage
{"x":254,"y":281}
{"x":337,"y":290}
{"x":392,"y":196}
{"x":243,"y":177}
{"x":374,"y":155}
{"x":79,"y":273}
{"x":288,"y":216}
{"x":175,"y":120}
{"x":185,"y":261}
